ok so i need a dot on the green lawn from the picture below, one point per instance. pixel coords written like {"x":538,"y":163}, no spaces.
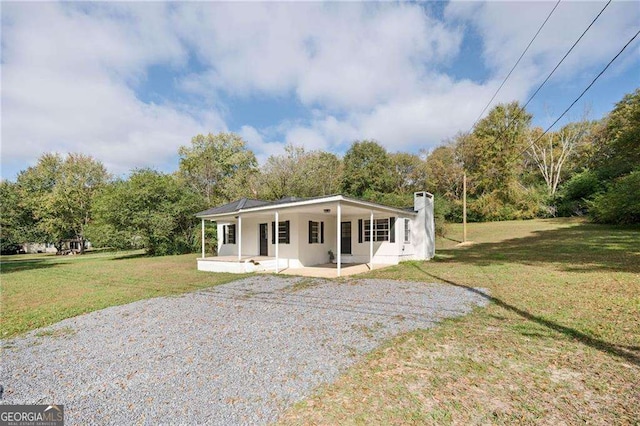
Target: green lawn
{"x":39,"y":290}
{"x":560,"y":342}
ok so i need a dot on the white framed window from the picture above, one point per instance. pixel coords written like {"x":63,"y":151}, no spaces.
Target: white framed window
{"x":407,"y":231}
{"x":283,"y":232}
{"x":316,"y":232}
{"x":229,"y":234}
{"x":380,"y":230}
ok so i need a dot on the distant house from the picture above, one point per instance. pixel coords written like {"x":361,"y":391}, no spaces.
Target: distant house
{"x":73,"y":245}
{"x":256,"y":235}
{"x":38,"y":248}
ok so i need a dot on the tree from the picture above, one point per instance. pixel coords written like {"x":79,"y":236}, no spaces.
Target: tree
{"x":550,"y":152}
{"x":409,"y":172}
{"x":492,"y":153}
{"x":16,"y":222}
{"x":299,"y":173}
{"x":281,"y":174}
{"x":617,"y":164}
{"x":153,"y":208}
{"x":617,"y":148}
{"x":58,"y":193}
{"x":621,"y":203}
{"x":367,"y":170}
{"x":219,"y":167}
{"x":444,"y":171}
{"x":322,"y":173}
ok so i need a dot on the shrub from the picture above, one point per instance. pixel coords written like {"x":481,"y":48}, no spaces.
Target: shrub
{"x":573,"y":197}
{"x":621,"y":203}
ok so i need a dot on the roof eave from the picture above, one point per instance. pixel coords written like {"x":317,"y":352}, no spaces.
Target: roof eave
{"x":329,"y":199}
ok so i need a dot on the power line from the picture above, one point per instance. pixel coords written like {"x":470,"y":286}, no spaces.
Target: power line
{"x":566,"y":54}
{"x":516,"y":64}
{"x":583,"y":92}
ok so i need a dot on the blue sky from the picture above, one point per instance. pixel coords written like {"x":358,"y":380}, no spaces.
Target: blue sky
{"x":131,"y":82}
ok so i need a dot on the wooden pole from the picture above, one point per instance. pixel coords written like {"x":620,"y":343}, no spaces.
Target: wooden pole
{"x":464,"y":207}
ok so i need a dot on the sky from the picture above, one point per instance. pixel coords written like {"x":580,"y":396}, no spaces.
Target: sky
{"x":131,"y":82}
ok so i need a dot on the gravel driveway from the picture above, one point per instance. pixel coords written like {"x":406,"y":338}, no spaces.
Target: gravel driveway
{"x":239,"y":353}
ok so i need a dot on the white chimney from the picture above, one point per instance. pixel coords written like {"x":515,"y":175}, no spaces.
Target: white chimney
{"x":423,"y":205}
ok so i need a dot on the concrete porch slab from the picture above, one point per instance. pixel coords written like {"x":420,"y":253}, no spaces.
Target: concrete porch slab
{"x":330,"y":270}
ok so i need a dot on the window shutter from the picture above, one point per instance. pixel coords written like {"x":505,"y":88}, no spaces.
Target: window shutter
{"x":310,"y":226}
{"x":286,"y":227}
{"x":321,"y":232}
{"x":273,"y":232}
{"x":224,"y":234}
{"x":360,"y":230}
{"x":392,"y":229}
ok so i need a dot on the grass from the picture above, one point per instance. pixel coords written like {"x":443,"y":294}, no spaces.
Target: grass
{"x":560,"y":342}
{"x":39,"y":290}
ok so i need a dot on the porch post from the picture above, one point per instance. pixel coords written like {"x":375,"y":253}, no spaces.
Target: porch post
{"x":371,"y":240}
{"x":338,"y":236}
{"x":203,"y":239}
{"x":239,"y":238}
{"x":276,"y":238}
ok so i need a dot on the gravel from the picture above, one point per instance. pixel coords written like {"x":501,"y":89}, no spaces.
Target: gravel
{"x":239,"y":353}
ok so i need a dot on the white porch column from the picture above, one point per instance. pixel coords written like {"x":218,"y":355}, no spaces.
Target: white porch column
{"x":203,"y":239}
{"x":339,"y":237}
{"x":276,"y":237}
{"x":371,"y":240}
{"x":239,"y":238}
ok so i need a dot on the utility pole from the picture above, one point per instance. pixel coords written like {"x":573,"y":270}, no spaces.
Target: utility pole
{"x":464,"y":206}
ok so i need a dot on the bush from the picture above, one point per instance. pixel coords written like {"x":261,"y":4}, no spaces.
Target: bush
{"x":512,"y":203}
{"x":621,"y":203}
{"x":573,"y":197}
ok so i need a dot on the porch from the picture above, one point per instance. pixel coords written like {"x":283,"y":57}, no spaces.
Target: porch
{"x":305,"y":236}
{"x":266,"y":264}
{"x":241,"y":264}
{"x":330,"y":270}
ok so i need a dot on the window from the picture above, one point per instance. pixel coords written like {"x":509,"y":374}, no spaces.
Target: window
{"x":283,"y":232}
{"x":316,"y":232}
{"x":229,"y":234}
{"x":407,"y":231}
{"x":380,"y":229}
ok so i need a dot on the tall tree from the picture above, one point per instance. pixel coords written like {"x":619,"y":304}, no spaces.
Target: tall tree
{"x":281,"y":174}
{"x":300,"y":173}
{"x":219,"y":167}
{"x":367,"y":170}
{"x":59,"y":194}
{"x":444,"y":170}
{"x":551,"y":152}
{"x":617,"y":163}
{"x":617,"y":147}
{"x":409,"y":172}
{"x":16,"y":222}
{"x":152,"y":207}
{"x":492,"y":153}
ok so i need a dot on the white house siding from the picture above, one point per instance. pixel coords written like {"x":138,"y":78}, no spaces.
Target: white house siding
{"x":384,"y":252}
{"x":316,"y":253}
{"x":300,"y":253}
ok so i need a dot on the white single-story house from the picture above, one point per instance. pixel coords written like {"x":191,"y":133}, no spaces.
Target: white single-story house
{"x":308,"y":229}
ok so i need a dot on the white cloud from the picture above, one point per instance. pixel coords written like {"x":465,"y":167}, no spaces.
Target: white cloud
{"x":72,"y":72}
{"x":67,"y":85}
{"x":341,"y":56}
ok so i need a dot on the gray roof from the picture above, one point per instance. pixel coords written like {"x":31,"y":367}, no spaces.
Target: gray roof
{"x":247,"y":203}
{"x":234,"y":206}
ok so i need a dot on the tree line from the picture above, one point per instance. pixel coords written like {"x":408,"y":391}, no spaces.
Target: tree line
{"x":513,"y":170}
